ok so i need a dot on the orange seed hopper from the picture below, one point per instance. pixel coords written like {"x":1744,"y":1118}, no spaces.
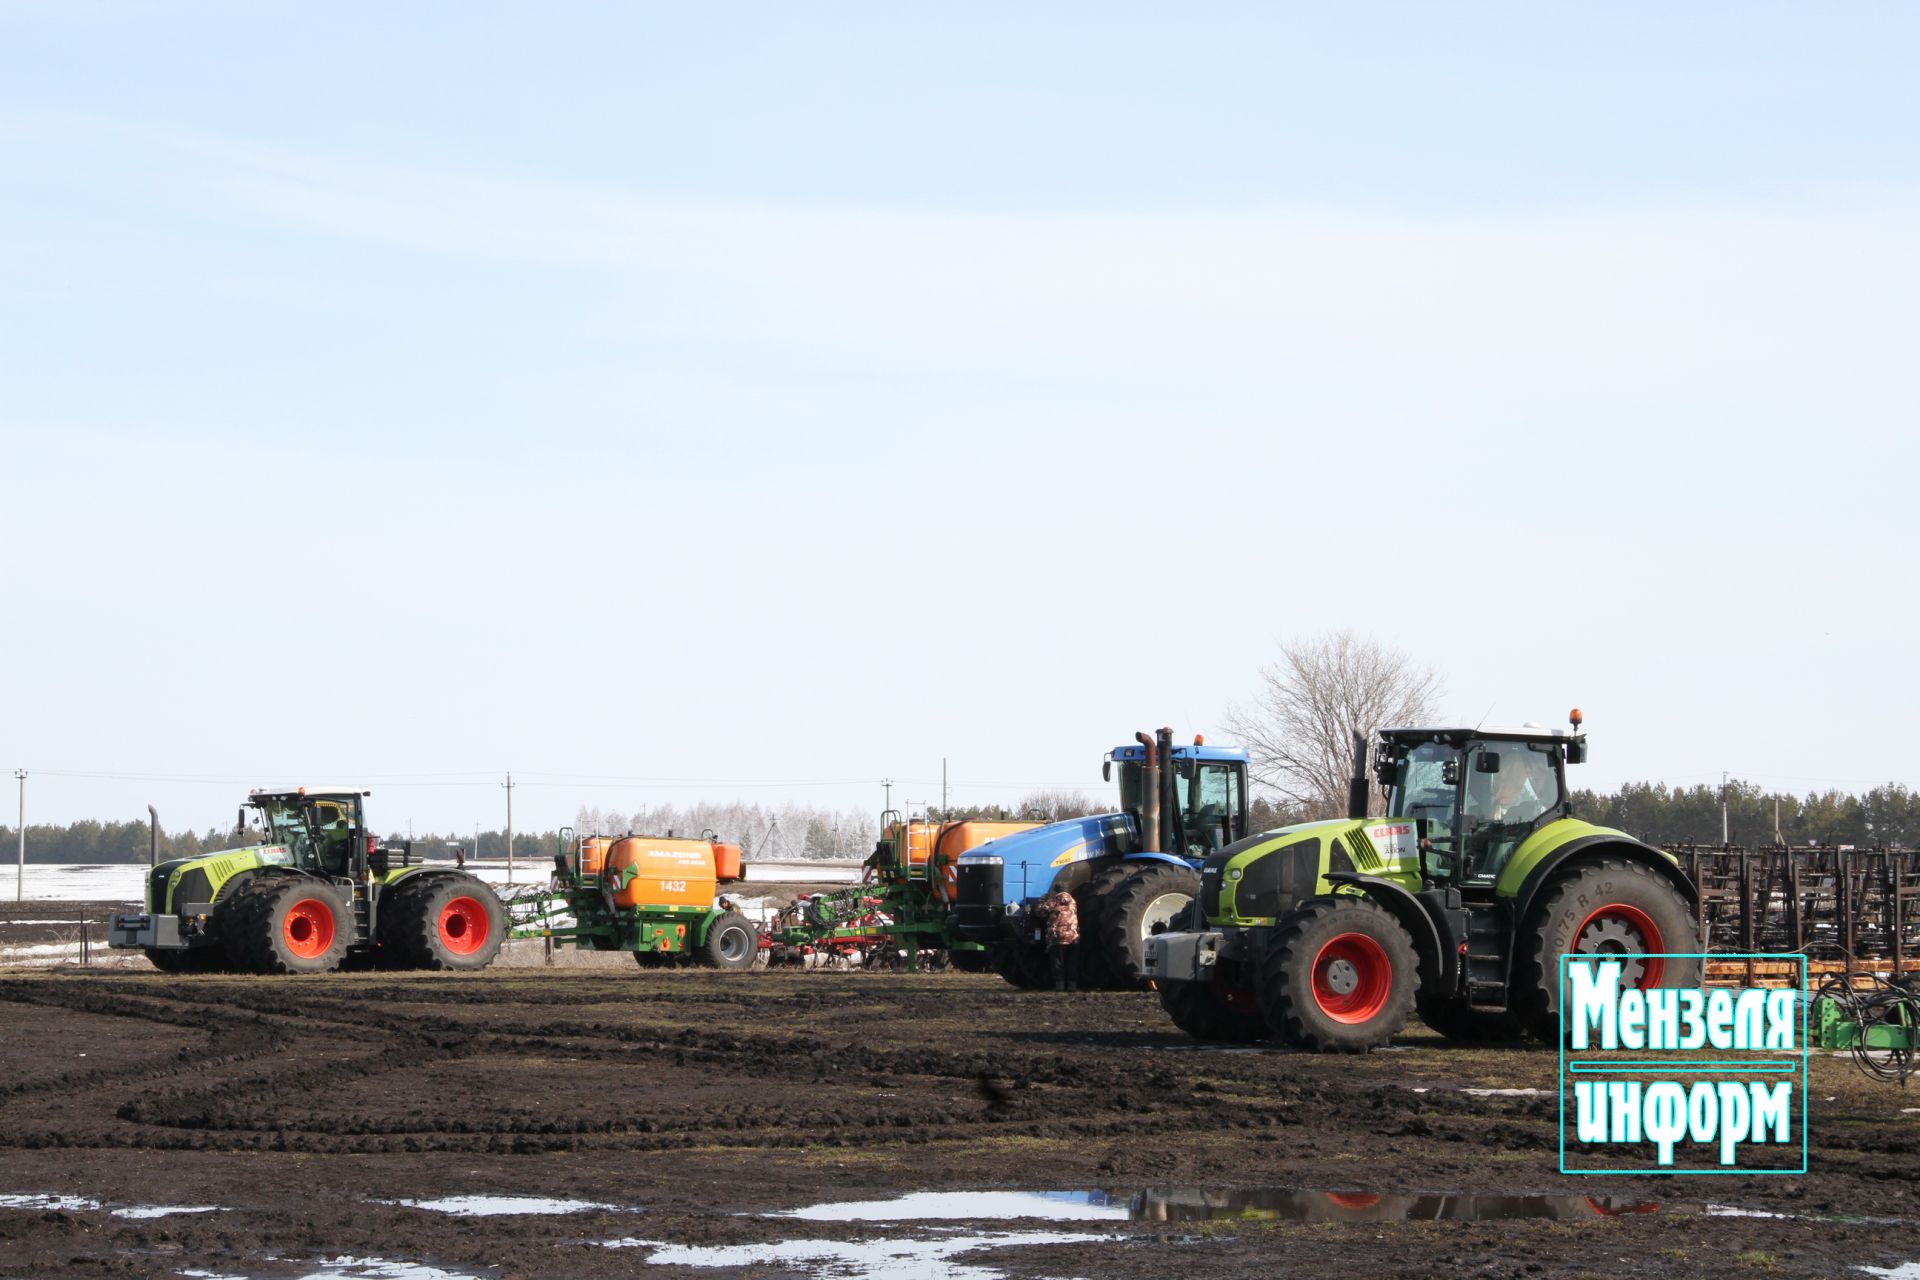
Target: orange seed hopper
{"x":659,"y":871}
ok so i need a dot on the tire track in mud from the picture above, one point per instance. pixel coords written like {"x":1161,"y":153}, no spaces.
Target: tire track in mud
{"x":1075,"y":1087}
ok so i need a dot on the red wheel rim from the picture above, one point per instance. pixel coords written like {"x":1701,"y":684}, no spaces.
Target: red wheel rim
{"x":308,"y":928}
{"x":1620,"y":929}
{"x":463,"y":926}
{"x":1354,"y":1199}
{"x":1351,"y":978}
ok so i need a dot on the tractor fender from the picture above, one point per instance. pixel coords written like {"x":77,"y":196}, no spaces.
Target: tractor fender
{"x":1168,"y":858}
{"x":1437,"y":962}
{"x":697,"y":936}
{"x":1606,"y":843}
{"x":416,"y":874}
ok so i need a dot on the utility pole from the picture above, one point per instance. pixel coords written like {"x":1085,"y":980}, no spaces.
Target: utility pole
{"x":509,"y":786}
{"x":20,"y":876}
{"x":888,"y":784}
{"x":1723,"y":808}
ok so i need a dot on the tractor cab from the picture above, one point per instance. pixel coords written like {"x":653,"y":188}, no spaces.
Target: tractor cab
{"x":1477,"y":793}
{"x":1188,"y":801}
{"x":324,"y":830}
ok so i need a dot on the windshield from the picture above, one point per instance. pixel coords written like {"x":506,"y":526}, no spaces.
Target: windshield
{"x":286,"y":823}
{"x":1211,"y":812}
{"x":1421,"y":789}
{"x":319,"y":832}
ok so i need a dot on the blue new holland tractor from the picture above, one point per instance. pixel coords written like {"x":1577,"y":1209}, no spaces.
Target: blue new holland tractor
{"x":1132,"y":873}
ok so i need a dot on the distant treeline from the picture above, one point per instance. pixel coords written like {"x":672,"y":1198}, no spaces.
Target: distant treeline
{"x":1886,"y":815}
{"x":94,"y":841}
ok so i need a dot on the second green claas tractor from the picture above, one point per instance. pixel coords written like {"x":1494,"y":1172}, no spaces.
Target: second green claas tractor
{"x":1456,"y":905}
{"x":316,"y":889}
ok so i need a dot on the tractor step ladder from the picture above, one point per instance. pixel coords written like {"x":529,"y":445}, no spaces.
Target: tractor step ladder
{"x":1487,"y":955}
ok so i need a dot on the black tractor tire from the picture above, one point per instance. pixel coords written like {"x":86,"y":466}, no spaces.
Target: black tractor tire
{"x":731,"y":943}
{"x":288,"y":924}
{"x":1212,"y":1013}
{"x":1150,"y":901}
{"x":1090,"y":901}
{"x":392,"y":949}
{"x":182,"y":960}
{"x":1458,"y":1020}
{"x":1024,"y":965}
{"x":1608,"y":906}
{"x":1339,"y":976}
{"x":449,"y":922}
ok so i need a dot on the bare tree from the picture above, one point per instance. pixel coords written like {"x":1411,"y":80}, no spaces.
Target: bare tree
{"x":1053,"y":806}
{"x":1300,"y":728}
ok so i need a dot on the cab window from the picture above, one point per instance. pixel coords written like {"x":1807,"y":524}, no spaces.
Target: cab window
{"x":1213,"y":807}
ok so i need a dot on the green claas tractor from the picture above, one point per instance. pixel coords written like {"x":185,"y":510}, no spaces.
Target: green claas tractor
{"x":317,"y":889}
{"x":1457,"y":905}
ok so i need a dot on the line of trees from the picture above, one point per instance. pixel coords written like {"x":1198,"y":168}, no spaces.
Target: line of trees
{"x":93,"y":841}
{"x":1886,"y":815}
{"x":767,"y":832}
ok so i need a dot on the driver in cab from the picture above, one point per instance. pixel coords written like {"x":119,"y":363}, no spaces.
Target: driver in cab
{"x":1513,"y":800}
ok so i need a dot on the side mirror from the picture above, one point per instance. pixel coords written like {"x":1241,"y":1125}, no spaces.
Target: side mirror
{"x":1487,"y":762}
{"x":1383,"y":771}
{"x":240,"y":821}
{"x":1106,"y":771}
{"x":1186,"y":767}
{"x":1577,"y":751}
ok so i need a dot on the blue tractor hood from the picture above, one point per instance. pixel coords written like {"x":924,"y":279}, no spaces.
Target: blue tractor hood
{"x":1031,"y":859}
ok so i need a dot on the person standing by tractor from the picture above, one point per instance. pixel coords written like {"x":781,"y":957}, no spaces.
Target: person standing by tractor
{"x":1063,"y":938}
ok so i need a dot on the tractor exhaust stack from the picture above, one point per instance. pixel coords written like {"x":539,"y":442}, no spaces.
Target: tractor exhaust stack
{"x":1357,"y":785}
{"x":1149,"y":794}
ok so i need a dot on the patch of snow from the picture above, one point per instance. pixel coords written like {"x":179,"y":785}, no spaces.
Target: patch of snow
{"x":382,"y":1269}
{"x":1734,"y":1211}
{"x":71,"y":1204}
{"x":164,"y":1210}
{"x":497,"y":1206}
{"x":1905,"y":1271}
{"x":868,"y":1259}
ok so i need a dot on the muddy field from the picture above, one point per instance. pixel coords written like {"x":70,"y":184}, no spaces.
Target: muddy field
{"x":686,"y":1111}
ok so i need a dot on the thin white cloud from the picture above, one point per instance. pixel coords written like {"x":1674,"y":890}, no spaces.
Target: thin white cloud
{"x":1646,"y":299}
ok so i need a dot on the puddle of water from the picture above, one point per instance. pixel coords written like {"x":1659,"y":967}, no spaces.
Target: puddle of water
{"x":1185,"y":1204}
{"x":1735,"y":1211}
{"x":859,"y":1260}
{"x":935,"y":1206}
{"x":164,"y":1210}
{"x":1279,"y":1204}
{"x":382,"y":1269}
{"x":497,"y":1206}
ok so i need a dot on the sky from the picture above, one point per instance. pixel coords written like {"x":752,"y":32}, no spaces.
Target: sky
{"x":672,"y":402}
